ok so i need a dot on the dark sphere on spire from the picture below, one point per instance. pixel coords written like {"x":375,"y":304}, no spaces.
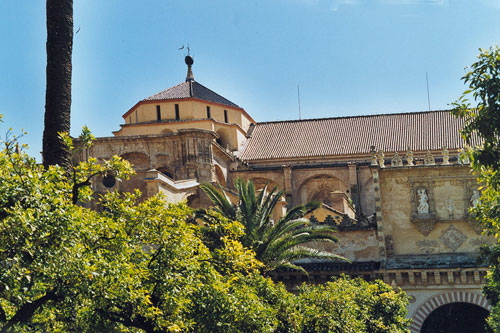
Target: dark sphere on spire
{"x":189,"y":60}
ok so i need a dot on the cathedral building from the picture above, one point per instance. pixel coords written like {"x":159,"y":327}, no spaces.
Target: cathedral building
{"x":393,"y":185}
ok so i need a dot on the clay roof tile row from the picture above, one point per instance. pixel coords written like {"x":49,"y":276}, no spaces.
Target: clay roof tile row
{"x":419,"y":131}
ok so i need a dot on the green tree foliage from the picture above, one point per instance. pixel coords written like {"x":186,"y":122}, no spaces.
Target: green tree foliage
{"x":482,"y":120}
{"x":276,"y":243}
{"x":353,"y":305}
{"x":142,"y":266}
{"x":130,"y":266}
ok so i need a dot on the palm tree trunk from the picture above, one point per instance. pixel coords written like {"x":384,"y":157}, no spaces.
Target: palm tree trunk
{"x":58,"y":91}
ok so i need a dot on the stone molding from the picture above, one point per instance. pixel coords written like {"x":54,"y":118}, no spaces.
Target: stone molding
{"x":421,"y":278}
{"x":442,"y":299}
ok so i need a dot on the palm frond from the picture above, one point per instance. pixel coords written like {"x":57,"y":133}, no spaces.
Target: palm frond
{"x":302,"y":252}
{"x":275,"y":245}
{"x":220,"y":200}
{"x":288,"y":265}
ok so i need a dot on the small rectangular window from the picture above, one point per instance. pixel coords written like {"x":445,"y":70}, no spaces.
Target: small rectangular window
{"x":136,"y":117}
{"x":158,"y":113}
{"x":177,"y":116}
{"x":208,"y":112}
{"x":225,"y":116}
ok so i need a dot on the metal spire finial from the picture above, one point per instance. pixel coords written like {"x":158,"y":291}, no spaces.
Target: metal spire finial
{"x":189,"y":62}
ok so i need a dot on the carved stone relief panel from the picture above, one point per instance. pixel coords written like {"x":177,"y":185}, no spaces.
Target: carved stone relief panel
{"x":440,"y":199}
{"x":427,"y":246}
{"x":453,"y":238}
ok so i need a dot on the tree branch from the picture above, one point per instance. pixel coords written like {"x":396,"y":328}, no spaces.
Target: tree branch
{"x":27,"y":310}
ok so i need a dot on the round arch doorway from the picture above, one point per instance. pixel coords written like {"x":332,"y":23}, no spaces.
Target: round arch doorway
{"x":457,"y":317}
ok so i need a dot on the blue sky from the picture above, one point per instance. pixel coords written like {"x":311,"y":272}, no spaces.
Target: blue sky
{"x":350,"y":57}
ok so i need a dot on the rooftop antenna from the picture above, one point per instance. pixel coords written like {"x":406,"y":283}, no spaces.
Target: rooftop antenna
{"x":428,"y":95}
{"x":298,"y":97}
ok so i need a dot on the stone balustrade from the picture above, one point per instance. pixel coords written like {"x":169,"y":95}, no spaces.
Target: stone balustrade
{"x":378,"y":158}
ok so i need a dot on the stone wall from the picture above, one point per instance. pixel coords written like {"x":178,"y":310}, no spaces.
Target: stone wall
{"x":443,"y":227}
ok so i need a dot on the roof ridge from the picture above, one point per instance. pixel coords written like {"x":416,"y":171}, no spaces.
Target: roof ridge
{"x":163,"y":91}
{"x":350,"y":117}
{"x":215,"y":93}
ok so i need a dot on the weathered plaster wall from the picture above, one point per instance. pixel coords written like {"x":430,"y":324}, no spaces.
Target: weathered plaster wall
{"x":444,"y":229}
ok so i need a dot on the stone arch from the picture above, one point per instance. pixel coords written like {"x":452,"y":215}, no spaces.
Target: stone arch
{"x":166,"y":171}
{"x":309,"y":187}
{"x":139,"y":161}
{"x":167,"y":131}
{"x":219,"y":174}
{"x":260,"y":182}
{"x":323,"y":195}
{"x":442,"y":299}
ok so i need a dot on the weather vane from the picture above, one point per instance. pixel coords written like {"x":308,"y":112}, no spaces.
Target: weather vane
{"x":182,"y":48}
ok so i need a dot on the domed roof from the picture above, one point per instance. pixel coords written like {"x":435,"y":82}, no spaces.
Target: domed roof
{"x":191,"y":89}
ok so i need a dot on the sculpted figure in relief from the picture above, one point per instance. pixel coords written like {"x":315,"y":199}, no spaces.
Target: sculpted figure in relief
{"x":423,"y":204}
{"x":446,"y":156}
{"x":475,"y":199}
{"x":374,"y":156}
{"x":409,"y":157}
{"x":429,"y":159}
{"x":396,"y":160}
{"x":381,"y":161}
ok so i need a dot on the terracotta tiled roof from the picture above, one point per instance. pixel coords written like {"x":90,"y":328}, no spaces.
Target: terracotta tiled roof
{"x":191,"y":89}
{"x":419,"y":131}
